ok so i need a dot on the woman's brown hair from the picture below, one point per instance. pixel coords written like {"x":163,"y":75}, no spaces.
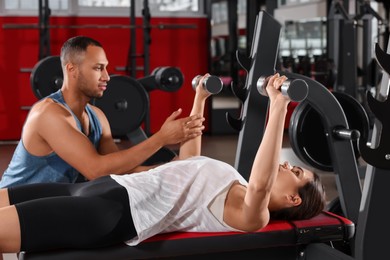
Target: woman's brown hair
{"x":313,"y":202}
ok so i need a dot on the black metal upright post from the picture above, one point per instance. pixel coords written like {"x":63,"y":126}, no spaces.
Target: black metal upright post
{"x":373,"y":212}
{"x":131,"y":57}
{"x":367,"y":14}
{"x":208,"y":12}
{"x":347,"y":65}
{"x":337,"y":16}
{"x":261,"y":62}
{"x":147,"y":38}
{"x":233,"y":35}
{"x":252,"y":10}
{"x":386,"y":33}
{"x":146,"y":55}
{"x":44,"y":30}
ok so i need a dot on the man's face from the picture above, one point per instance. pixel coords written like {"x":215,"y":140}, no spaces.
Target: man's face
{"x":92,"y":75}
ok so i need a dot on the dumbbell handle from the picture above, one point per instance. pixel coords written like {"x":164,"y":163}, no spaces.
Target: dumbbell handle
{"x":212,"y":84}
{"x":295,"y":89}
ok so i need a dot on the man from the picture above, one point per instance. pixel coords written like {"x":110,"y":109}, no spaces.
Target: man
{"x":65,"y":136}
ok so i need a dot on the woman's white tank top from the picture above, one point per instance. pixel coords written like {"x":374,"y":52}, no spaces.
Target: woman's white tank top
{"x":177,"y":196}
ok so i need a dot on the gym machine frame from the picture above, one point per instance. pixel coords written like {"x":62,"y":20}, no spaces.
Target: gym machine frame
{"x":253,"y":119}
{"x":373,"y":216}
{"x":342,"y":48}
{"x":367,"y":209}
{"x":367,"y":14}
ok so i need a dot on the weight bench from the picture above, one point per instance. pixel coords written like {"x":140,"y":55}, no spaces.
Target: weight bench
{"x":278,"y":240}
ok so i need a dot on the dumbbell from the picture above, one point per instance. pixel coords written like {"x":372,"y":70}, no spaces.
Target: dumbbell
{"x":295,"y":89}
{"x":169,"y":79}
{"x":212,"y":84}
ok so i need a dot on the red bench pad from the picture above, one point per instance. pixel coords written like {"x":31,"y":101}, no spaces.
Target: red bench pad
{"x":322,"y":228}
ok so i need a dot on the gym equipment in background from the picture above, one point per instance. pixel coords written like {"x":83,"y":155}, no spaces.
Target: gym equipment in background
{"x":46,"y":76}
{"x":368,"y":243}
{"x":261,"y":61}
{"x":44,"y":27}
{"x":374,"y":213}
{"x":125,"y":103}
{"x":307,"y":133}
{"x":169,"y":79}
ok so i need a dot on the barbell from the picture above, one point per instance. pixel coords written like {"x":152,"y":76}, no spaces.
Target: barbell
{"x":125,"y":101}
{"x":46,"y":77}
{"x":169,"y":79}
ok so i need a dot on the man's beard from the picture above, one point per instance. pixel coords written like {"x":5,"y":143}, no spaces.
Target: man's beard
{"x":90,"y":93}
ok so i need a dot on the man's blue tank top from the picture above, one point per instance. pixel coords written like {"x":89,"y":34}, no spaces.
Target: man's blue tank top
{"x":26,"y":168}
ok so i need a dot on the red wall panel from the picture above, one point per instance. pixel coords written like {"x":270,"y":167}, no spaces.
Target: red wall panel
{"x":184,"y":48}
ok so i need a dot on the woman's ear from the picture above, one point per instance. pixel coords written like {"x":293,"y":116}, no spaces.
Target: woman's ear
{"x":294,"y":200}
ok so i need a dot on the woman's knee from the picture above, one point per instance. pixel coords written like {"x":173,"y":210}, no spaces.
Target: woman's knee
{"x":4,"y":198}
{"x":9,"y":230}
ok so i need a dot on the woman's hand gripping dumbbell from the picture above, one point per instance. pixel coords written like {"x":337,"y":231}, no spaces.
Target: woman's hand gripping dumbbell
{"x":212,"y":84}
{"x":296,"y":89}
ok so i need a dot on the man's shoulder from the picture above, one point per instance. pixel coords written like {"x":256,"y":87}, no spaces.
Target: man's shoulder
{"x":46,"y":112}
{"x":47,"y":105}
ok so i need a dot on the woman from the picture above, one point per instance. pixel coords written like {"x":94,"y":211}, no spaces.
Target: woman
{"x":193,"y":193}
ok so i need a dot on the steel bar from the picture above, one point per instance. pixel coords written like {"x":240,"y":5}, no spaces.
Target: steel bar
{"x":99,"y":26}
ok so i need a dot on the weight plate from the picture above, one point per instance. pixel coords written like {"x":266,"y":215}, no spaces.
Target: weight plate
{"x":125,"y":103}
{"x":307,"y":137}
{"x":357,"y":116}
{"x":46,"y":76}
{"x":169,"y":79}
{"x":307,"y":133}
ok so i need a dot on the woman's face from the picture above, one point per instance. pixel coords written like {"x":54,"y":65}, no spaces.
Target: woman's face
{"x":294,"y":174}
{"x":291,"y":178}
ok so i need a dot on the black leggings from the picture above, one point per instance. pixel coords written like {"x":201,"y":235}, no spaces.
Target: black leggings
{"x":83,"y":215}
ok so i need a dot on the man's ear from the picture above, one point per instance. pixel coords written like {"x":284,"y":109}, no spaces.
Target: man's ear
{"x":295,"y":200}
{"x":69,"y":66}
{"x":71,"y":69}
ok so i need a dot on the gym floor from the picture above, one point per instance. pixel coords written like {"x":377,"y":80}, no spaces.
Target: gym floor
{"x":222,"y":147}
